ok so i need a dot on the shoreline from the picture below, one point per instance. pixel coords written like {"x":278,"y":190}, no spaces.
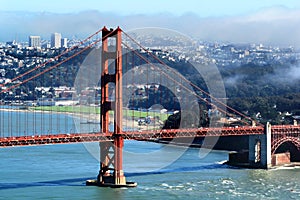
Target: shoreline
{"x":82,"y":117}
{"x":292,"y":165}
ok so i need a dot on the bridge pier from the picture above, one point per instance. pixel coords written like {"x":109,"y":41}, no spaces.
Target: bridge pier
{"x":277,"y":146}
{"x":260,"y":155}
{"x":111,"y":165}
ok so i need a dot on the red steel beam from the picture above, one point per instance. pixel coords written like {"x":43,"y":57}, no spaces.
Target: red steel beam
{"x":134,"y":135}
{"x":277,"y":132}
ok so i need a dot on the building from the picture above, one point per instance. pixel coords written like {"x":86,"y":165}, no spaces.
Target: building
{"x":34,"y":41}
{"x":46,"y":45}
{"x":64,"y":42}
{"x":11,"y":43}
{"x":56,"y":40}
{"x":45,"y":102}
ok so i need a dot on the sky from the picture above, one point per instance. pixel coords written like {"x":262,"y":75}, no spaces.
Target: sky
{"x":274,"y":22}
{"x":203,"y":8}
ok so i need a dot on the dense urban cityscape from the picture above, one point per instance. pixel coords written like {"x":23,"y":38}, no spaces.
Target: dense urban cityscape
{"x":17,"y":57}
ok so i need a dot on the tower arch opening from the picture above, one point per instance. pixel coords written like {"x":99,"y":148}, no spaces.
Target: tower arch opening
{"x":292,"y":147}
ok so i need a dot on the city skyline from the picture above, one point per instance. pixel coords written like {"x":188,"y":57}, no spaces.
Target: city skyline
{"x":267,"y":22}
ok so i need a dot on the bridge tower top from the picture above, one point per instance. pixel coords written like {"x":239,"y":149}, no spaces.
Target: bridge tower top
{"x":107,"y":78}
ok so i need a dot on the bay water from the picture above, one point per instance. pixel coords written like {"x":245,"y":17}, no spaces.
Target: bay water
{"x":60,"y":171}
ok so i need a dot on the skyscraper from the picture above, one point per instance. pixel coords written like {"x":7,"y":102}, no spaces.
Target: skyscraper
{"x":56,"y":40}
{"x":64,"y":42}
{"x":34,"y":41}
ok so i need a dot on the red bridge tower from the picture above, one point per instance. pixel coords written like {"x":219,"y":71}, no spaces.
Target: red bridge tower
{"x":111,"y":152}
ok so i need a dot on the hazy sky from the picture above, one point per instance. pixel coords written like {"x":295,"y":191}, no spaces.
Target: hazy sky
{"x":203,"y":8}
{"x":275,"y":22}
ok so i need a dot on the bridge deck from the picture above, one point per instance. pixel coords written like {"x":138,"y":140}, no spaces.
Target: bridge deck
{"x":131,"y":135}
{"x":277,"y":131}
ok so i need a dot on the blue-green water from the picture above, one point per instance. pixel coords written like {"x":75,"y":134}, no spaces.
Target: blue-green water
{"x":60,"y":172}
{"x":16,"y":122}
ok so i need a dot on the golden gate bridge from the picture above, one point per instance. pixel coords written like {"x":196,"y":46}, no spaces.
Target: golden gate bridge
{"x":264,"y":140}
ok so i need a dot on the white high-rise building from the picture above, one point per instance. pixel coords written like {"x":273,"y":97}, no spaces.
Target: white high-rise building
{"x":34,"y":41}
{"x":64,"y":42}
{"x":56,"y":40}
